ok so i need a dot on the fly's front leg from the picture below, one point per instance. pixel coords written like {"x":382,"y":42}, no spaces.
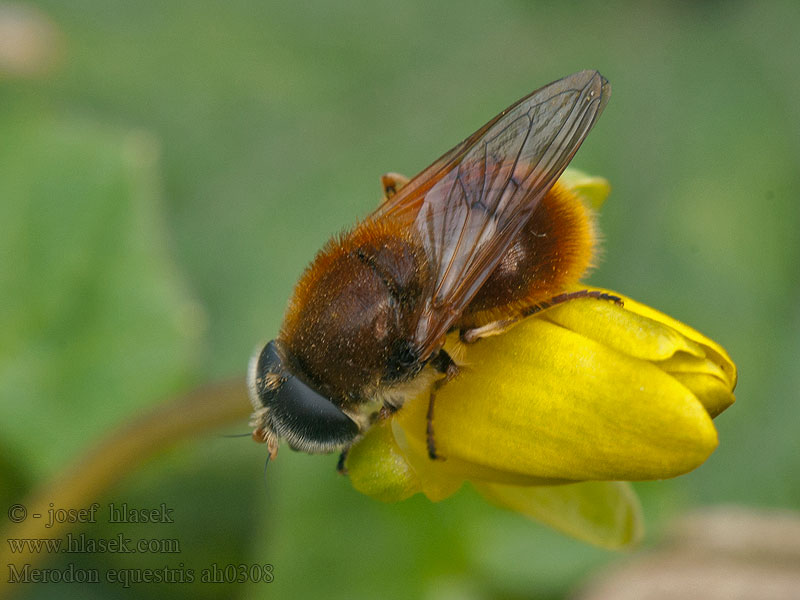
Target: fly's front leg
{"x":469,"y":336}
{"x":340,"y":466}
{"x":391,"y":184}
{"x":444,"y":364}
{"x":386,"y":411}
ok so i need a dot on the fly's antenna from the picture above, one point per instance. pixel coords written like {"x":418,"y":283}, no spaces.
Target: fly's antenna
{"x":266,"y":464}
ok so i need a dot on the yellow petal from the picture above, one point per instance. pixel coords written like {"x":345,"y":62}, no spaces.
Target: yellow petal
{"x":681,"y":362}
{"x":384,"y":464}
{"x":712,"y":392}
{"x":592,"y":190}
{"x":435,"y":482}
{"x":705,"y":378}
{"x":440,"y":478}
{"x":604,"y":513}
{"x":712,"y":350}
{"x":543,"y":401}
{"x":616,"y":327}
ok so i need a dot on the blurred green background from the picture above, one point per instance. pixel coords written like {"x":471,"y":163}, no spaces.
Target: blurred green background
{"x":168,"y":169}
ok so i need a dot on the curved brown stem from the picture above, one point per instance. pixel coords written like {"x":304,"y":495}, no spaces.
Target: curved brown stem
{"x":203,"y":409}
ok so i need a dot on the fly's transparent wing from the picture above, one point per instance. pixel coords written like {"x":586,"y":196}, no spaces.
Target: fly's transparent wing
{"x":469,"y":205}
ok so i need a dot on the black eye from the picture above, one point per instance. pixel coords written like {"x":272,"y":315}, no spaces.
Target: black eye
{"x":308,"y":420}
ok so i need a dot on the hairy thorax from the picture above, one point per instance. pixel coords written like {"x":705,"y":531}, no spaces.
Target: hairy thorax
{"x":350,"y":322}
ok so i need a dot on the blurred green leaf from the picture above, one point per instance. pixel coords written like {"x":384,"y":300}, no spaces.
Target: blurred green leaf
{"x":96,"y":321}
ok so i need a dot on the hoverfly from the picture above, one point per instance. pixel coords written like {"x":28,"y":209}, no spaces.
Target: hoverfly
{"x":479,"y":239}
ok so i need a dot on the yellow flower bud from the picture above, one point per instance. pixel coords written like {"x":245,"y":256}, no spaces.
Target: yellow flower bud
{"x":552,"y":416}
{"x":585,"y":391}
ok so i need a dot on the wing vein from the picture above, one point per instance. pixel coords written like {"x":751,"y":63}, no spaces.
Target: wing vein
{"x":468,"y":206}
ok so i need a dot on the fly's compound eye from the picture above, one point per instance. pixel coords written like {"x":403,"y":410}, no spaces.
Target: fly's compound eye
{"x":294,"y":410}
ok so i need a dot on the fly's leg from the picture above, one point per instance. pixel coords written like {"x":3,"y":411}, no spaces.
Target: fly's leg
{"x":340,"y":467}
{"x":469,"y":336}
{"x":386,"y":411}
{"x":391,"y":184}
{"x":444,"y":364}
